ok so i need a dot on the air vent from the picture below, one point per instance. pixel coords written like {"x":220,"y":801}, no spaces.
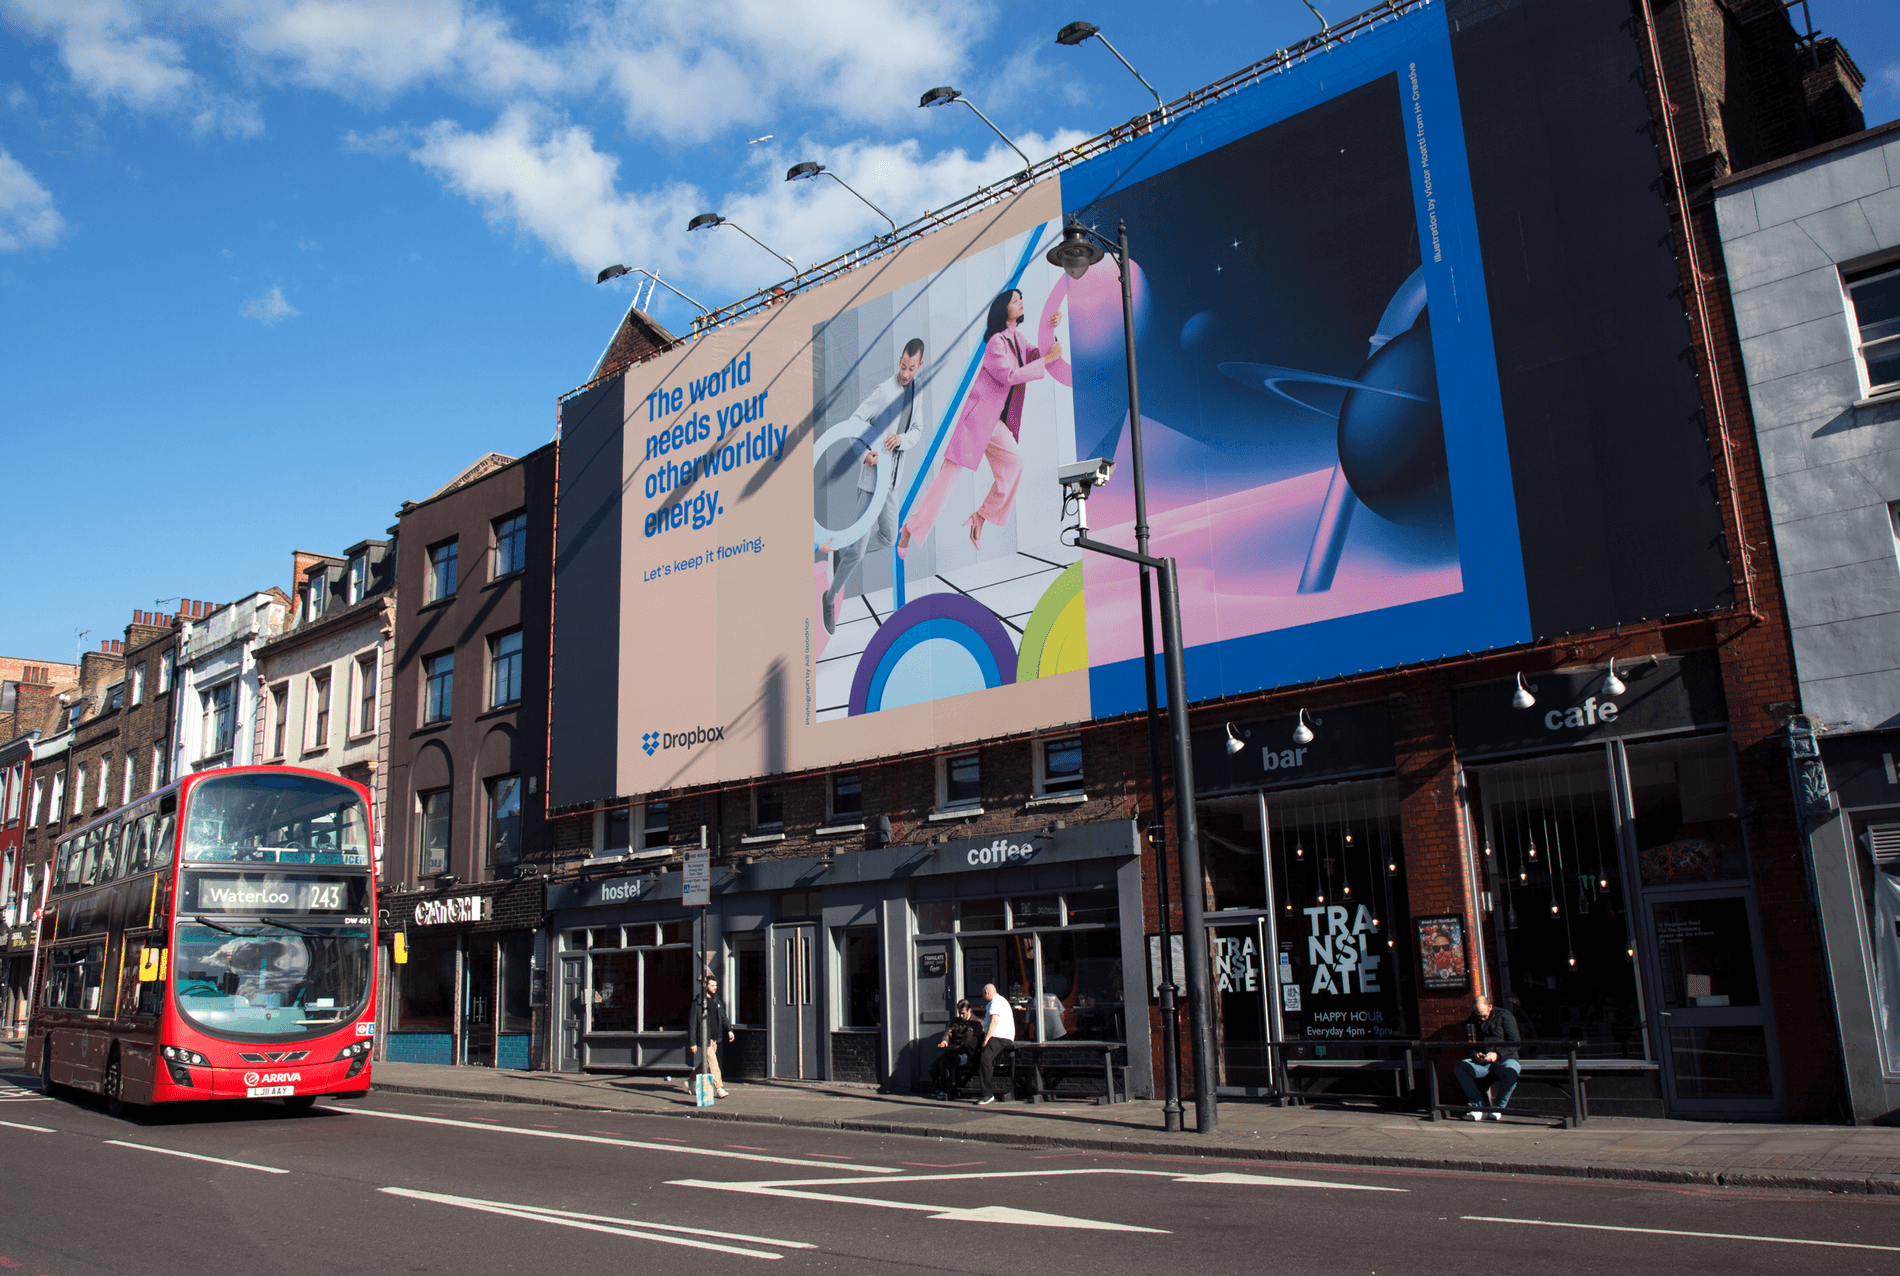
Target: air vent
{"x":1884,"y":841}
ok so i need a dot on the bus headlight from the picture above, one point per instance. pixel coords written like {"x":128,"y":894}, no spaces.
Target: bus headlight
{"x":351,"y":1051}
{"x":178,"y":1054}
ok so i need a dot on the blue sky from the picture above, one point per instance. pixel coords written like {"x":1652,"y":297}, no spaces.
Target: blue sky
{"x":269,"y":268}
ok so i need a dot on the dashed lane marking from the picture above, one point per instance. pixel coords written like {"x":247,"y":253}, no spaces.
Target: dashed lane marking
{"x":21,"y":1125}
{"x":193,"y":1156}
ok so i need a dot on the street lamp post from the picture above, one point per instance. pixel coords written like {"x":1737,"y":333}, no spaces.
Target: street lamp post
{"x":1081,"y":248}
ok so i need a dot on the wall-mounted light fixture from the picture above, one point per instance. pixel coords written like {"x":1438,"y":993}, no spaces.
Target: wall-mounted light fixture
{"x":1303,"y":733}
{"x":1613,"y":685}
{"x":1522,"y":697}
{"x":1234,"y":744}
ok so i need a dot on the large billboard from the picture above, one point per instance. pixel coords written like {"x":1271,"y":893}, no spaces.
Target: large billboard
{"x":1396,"y":366}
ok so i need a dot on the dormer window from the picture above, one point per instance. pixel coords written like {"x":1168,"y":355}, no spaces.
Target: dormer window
{"x":359,"y":578}
{"x":313,"y":598}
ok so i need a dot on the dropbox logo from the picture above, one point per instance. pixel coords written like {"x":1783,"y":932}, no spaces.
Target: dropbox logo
{"x":653,"y":741}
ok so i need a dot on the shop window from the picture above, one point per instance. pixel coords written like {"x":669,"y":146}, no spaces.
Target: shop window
{"x":795,"y":904}
{"x":1081,"y":986}
{"x":859,"y":989}
{"x":982,"y":914}
{"x":517,"y":983}
{"x":1685,"y":801}
{"x":752,"y":983}
{"x":616,"y":992}
{"x":936,"y":917}
{"x":1338,"y":880}
{"x":676,"y":932}
{"x":846,"y":804}
{"x":644,"y":987}
{"x":425,"y":986}
{"x":668,"y":989}
{"x":1551,"y":890}
{"x":1059,"y":766}
{"x":1094,"y":908}
{"x":1035,"y":910}
{"x":1881,"y":871}
{"x":959,"y":782}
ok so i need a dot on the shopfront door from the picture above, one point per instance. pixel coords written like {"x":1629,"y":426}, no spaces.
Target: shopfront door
{"x":1241,"y":981}
{"x":573,"y":1010}
{"x":1719,"y":1055}
{"x":478,"y":1002}
{"x":936,"y":1004}
{"x":794,"y":1003}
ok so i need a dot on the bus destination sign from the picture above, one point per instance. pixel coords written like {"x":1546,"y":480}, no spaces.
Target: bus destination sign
{"x":268,"y":893}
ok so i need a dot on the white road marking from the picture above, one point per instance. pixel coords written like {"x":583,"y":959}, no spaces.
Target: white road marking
{"x":1669,"y":1231}
{"x":622,"y":1227}
{"x":1176,"y":1175}
{"x":19,"y":1094}
{"x":37,"y":1129}
{"x":979,"y":1214}
{"x":193,"y":1156}
{"x":624,"y":1143}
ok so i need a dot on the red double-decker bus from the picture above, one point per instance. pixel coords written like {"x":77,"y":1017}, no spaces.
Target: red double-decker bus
{"x":214,"y":940}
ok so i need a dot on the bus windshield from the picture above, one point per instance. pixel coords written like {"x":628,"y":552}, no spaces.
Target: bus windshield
{"x":273,"y":817}
{"x":270,"y":979}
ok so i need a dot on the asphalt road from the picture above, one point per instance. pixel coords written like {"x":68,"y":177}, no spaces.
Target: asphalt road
{"x":395,"y":1183}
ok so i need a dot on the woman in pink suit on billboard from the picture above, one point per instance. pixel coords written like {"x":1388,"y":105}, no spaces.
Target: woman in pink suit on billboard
{"x":991,"y":422}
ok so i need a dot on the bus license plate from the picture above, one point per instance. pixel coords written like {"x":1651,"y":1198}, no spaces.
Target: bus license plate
{"x":269,"y":1091}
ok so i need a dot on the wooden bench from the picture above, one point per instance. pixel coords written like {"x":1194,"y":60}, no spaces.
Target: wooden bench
{"x":1569,"y":1076}
{"x":1399,"y":1070}
{"x":1051,"y":1062}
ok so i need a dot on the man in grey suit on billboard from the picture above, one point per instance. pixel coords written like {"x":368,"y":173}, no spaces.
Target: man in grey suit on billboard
{"x":886,"y":422}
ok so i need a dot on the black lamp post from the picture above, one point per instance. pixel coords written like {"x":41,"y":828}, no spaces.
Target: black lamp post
{"x":1081,"y":248}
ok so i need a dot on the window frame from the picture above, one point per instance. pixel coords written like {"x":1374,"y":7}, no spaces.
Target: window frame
{"x":642,"y":832}
{"x":514,"y":663}
{"x":519,"y":549}
{"x":104,"y":798}
{"x":1850,"y":280}
{"x":366,"y":715}
{"x":433,"y":591}
{"x":428,"y":821}
{"x":764,"y":828}
{"x":280,"y":718}
{"x":216,"y":742}
{"x":973,"y":805}
{"x":357,"y":586}
{"x":79,"y":789}
{"x":1070,"y":787}
{"x":491,"y":791}
{"x":317,"y":712}
{"x":430,"y":678}
{"x":834,"y":815}
{"x":138,"y":683}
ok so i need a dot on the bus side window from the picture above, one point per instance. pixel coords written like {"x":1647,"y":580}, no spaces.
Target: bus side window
{"x":88,"y":858}
{"x":164,"y":839}
{"x":95,"y":968}
{"x":109,"y":856}
{"x":141,"y":853}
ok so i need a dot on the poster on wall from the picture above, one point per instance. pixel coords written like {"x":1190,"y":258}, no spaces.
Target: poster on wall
{"x":1441,"y":953}
{"x":831,"y":531}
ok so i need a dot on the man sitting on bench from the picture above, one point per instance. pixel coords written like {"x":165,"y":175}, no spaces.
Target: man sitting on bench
{"x":1495,"y":1064}
{"x":959,"y":1049}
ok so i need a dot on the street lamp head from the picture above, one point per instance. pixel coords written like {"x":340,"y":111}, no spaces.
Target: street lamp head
{"x":612,"y":272}
{"x":1076,"y":32}
{"x":705,"y":219}
{"x":807,"y":169}
{"x":938,"y":96}
{"x":1076,"y":253}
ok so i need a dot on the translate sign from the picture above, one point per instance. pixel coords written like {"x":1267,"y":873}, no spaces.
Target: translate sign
{"x":696,"y":884}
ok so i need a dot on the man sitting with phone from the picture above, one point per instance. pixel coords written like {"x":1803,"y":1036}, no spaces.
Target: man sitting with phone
{"x":1493,"y":1061}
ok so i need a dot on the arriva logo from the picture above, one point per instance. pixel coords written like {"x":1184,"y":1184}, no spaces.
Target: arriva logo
{"x":653,"y":741}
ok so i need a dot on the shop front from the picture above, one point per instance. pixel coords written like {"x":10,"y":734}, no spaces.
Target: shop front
{"x":474,"y":983}
{"x":848,"y":968}
{"x":1304,"y":874}
{"x":1609,"y":855}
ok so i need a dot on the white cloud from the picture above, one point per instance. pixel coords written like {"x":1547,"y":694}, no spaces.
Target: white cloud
{"x":109,"y":52}
{"x":269,"y":308}
{"x":549,"y":181}
{"x":27,"y":216}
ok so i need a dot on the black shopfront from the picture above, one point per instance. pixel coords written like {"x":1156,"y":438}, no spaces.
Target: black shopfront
{"x":847,"y":968}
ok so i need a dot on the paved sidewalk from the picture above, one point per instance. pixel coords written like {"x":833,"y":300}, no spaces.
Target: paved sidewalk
{"x":1833,"y":1158}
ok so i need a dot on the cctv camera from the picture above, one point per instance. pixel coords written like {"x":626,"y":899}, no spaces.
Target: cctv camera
{"x":1077,"y":478}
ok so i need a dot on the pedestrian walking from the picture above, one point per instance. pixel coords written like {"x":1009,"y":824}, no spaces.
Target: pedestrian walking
{"x":999,"y":1033}
{"x":709,"y":1011}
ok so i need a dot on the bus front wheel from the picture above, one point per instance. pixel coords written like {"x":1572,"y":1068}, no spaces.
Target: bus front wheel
{"x":46,"y":1066}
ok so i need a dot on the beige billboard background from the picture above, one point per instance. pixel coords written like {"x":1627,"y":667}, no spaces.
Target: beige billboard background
{"x":717,"y":623}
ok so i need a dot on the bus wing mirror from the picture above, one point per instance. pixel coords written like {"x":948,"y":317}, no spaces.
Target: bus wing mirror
{"x":151,"y":965}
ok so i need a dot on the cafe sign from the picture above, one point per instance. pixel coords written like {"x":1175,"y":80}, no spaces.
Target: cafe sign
{"x":468,"y":908}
